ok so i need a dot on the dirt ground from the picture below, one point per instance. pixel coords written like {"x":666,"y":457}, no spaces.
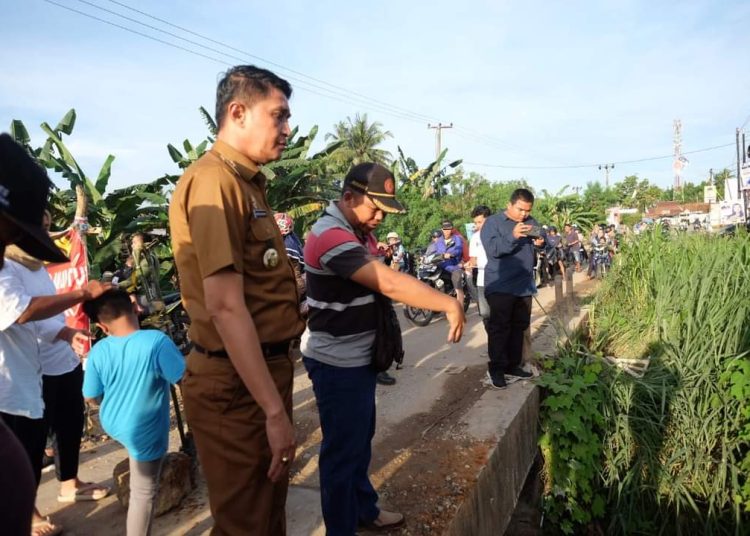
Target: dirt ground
{"x":423,"y":462}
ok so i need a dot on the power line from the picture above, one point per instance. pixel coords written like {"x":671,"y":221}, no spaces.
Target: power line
{"x":270,"y":62}
{"x":339,"y":92}
{"x":213,"y":58}
{"x":581,"y":166}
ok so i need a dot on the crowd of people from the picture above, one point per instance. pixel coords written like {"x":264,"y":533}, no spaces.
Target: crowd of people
{"x":253,"y":290}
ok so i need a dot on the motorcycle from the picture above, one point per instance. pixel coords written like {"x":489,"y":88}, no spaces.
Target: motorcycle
{"x":431,"y":274}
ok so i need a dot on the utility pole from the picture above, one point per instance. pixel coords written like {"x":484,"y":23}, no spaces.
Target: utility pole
{"x":438,"y":137}
{"x":739,"y":163}
{"x":606,"y":168}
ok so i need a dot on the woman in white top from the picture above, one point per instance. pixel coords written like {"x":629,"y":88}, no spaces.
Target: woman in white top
{"x":35,"y":341}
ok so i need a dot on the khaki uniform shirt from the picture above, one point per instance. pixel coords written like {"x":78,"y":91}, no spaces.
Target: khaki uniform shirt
{"x":220,"y":218}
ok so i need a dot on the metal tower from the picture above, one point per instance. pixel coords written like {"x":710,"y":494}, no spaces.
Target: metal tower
{"x":679,"y":160}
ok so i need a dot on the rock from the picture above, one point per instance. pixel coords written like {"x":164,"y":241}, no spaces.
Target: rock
{"x":175,"y":482}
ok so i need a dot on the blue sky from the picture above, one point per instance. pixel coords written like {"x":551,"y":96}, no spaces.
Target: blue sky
{"x":525,"y":83}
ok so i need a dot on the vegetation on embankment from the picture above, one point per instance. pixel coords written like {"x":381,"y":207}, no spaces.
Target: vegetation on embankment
{"x":666,"y":452}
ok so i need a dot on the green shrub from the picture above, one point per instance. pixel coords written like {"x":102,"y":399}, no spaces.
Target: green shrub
{"x":674,"y":443}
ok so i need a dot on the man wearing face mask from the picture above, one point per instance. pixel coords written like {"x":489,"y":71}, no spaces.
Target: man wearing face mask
{"x":239,"y":289}
{"x":343,"y":275}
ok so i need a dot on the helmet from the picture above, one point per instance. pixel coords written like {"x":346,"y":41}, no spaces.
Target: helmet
{"x":392,"y":234}
{"x":285,"y":222}
{"x":436,"y":234}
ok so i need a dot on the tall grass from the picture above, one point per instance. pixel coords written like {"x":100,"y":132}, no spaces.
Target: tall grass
{"x":672,"y":445}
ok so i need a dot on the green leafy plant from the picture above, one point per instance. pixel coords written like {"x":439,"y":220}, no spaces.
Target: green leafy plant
{"x":737,"y":379}
{"x":572,"y":430}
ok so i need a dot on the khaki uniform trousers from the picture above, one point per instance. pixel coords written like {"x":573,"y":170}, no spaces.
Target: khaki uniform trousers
{"x":229,"y":428}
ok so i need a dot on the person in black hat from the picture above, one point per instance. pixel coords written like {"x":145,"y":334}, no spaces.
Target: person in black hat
{"x":451,"y":246}
{"x":24,"y":187}
{"x":343,"y":275}
{"x":23,"y":191}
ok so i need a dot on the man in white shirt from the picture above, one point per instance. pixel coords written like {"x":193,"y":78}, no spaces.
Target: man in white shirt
{"x":478,"y":258}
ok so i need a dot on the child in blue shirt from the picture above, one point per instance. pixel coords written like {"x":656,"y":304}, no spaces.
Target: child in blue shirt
{"x":129,"y":373}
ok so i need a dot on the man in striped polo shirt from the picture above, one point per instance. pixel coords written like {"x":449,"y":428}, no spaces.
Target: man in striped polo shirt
{"x":343,"y":274}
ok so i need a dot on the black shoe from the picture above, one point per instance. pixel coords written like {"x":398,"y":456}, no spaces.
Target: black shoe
{"x":384,"y":378}
{"x":495,"y":381}
{"x":518,"y":372}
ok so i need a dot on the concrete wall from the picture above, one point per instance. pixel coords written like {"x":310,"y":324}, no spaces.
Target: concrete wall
{"x":488,"y":509}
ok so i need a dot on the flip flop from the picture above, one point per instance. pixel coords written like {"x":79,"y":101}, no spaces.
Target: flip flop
{"x":38,"y":527}
{"x":88,"y":492}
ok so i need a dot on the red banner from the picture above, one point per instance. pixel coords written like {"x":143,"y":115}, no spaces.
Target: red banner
{"x":73,"y":275}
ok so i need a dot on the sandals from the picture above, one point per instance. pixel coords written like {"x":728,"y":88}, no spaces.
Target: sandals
{"x":45,"y":527}
{"x":87,"y":492}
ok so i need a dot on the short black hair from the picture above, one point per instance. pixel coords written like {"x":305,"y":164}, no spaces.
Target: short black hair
{"x":249,"y":83}
{"x":109,"y":306}
{"x":523,"y":194}
{"x":481,"y":210}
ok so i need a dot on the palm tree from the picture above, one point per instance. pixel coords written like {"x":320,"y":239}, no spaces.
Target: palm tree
{"x":360,"y":141}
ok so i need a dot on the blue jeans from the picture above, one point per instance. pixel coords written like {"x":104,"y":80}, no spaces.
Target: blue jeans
{"x":346,"y":404}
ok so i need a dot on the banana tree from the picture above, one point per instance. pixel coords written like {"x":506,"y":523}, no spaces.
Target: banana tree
{"x":110,"y":214}
{"x":431,"y":181}
{"x":298,"y":183}
{"x":561,"y":208}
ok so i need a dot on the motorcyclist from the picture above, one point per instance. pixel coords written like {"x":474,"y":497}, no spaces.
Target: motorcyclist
{"x":451,"y":247}
{"x":294,"y":247}
{"x":600,"y":248}
{"x":554,"y":251}
{"x":432,"y":246}
{"x":396,"y":251}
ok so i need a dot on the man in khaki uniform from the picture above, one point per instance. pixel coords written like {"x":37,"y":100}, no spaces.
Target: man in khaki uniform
{"x":238,"y":287}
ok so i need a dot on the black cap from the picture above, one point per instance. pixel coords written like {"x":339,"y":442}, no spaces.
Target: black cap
{"x":447,"y":224}
{"x":24,"y":187}
{"x":436,"y":234}
{"x":377,"y":183}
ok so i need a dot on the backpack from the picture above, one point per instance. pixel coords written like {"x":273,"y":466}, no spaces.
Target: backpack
{"x":389,"y":345}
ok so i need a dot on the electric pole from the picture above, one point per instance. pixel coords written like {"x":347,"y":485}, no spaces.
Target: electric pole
{"x":606,"y":168}
{"x":438,"y":137}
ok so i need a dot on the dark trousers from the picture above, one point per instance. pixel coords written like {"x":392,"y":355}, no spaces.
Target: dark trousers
{"x":17,"y":486}
{"x":31,"y":435}
{"x":346,"y":404}
{"x":509,"y":317}
{"x":64,"y":417}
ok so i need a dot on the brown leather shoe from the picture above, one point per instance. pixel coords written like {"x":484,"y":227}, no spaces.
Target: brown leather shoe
{"x":385,"y":521}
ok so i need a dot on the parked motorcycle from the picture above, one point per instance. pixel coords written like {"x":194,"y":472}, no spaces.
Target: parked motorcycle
{"x":430,"y":273}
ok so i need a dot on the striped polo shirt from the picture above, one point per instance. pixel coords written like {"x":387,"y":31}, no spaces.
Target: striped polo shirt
{"x":341,"y":324}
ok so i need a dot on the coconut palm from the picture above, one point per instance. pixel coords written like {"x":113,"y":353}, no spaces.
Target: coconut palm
{"x":360,"y":140}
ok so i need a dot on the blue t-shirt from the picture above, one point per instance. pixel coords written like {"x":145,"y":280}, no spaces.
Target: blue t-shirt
{"x":133,"y":374}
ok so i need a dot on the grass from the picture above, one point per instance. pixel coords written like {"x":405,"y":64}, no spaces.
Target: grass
{"x":672,"y":442}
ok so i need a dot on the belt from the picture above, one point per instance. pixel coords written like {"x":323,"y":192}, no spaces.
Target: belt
{"x":267,"y":349}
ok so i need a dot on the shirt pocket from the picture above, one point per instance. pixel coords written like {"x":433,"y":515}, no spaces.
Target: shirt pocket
{"x":262,"y":235}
